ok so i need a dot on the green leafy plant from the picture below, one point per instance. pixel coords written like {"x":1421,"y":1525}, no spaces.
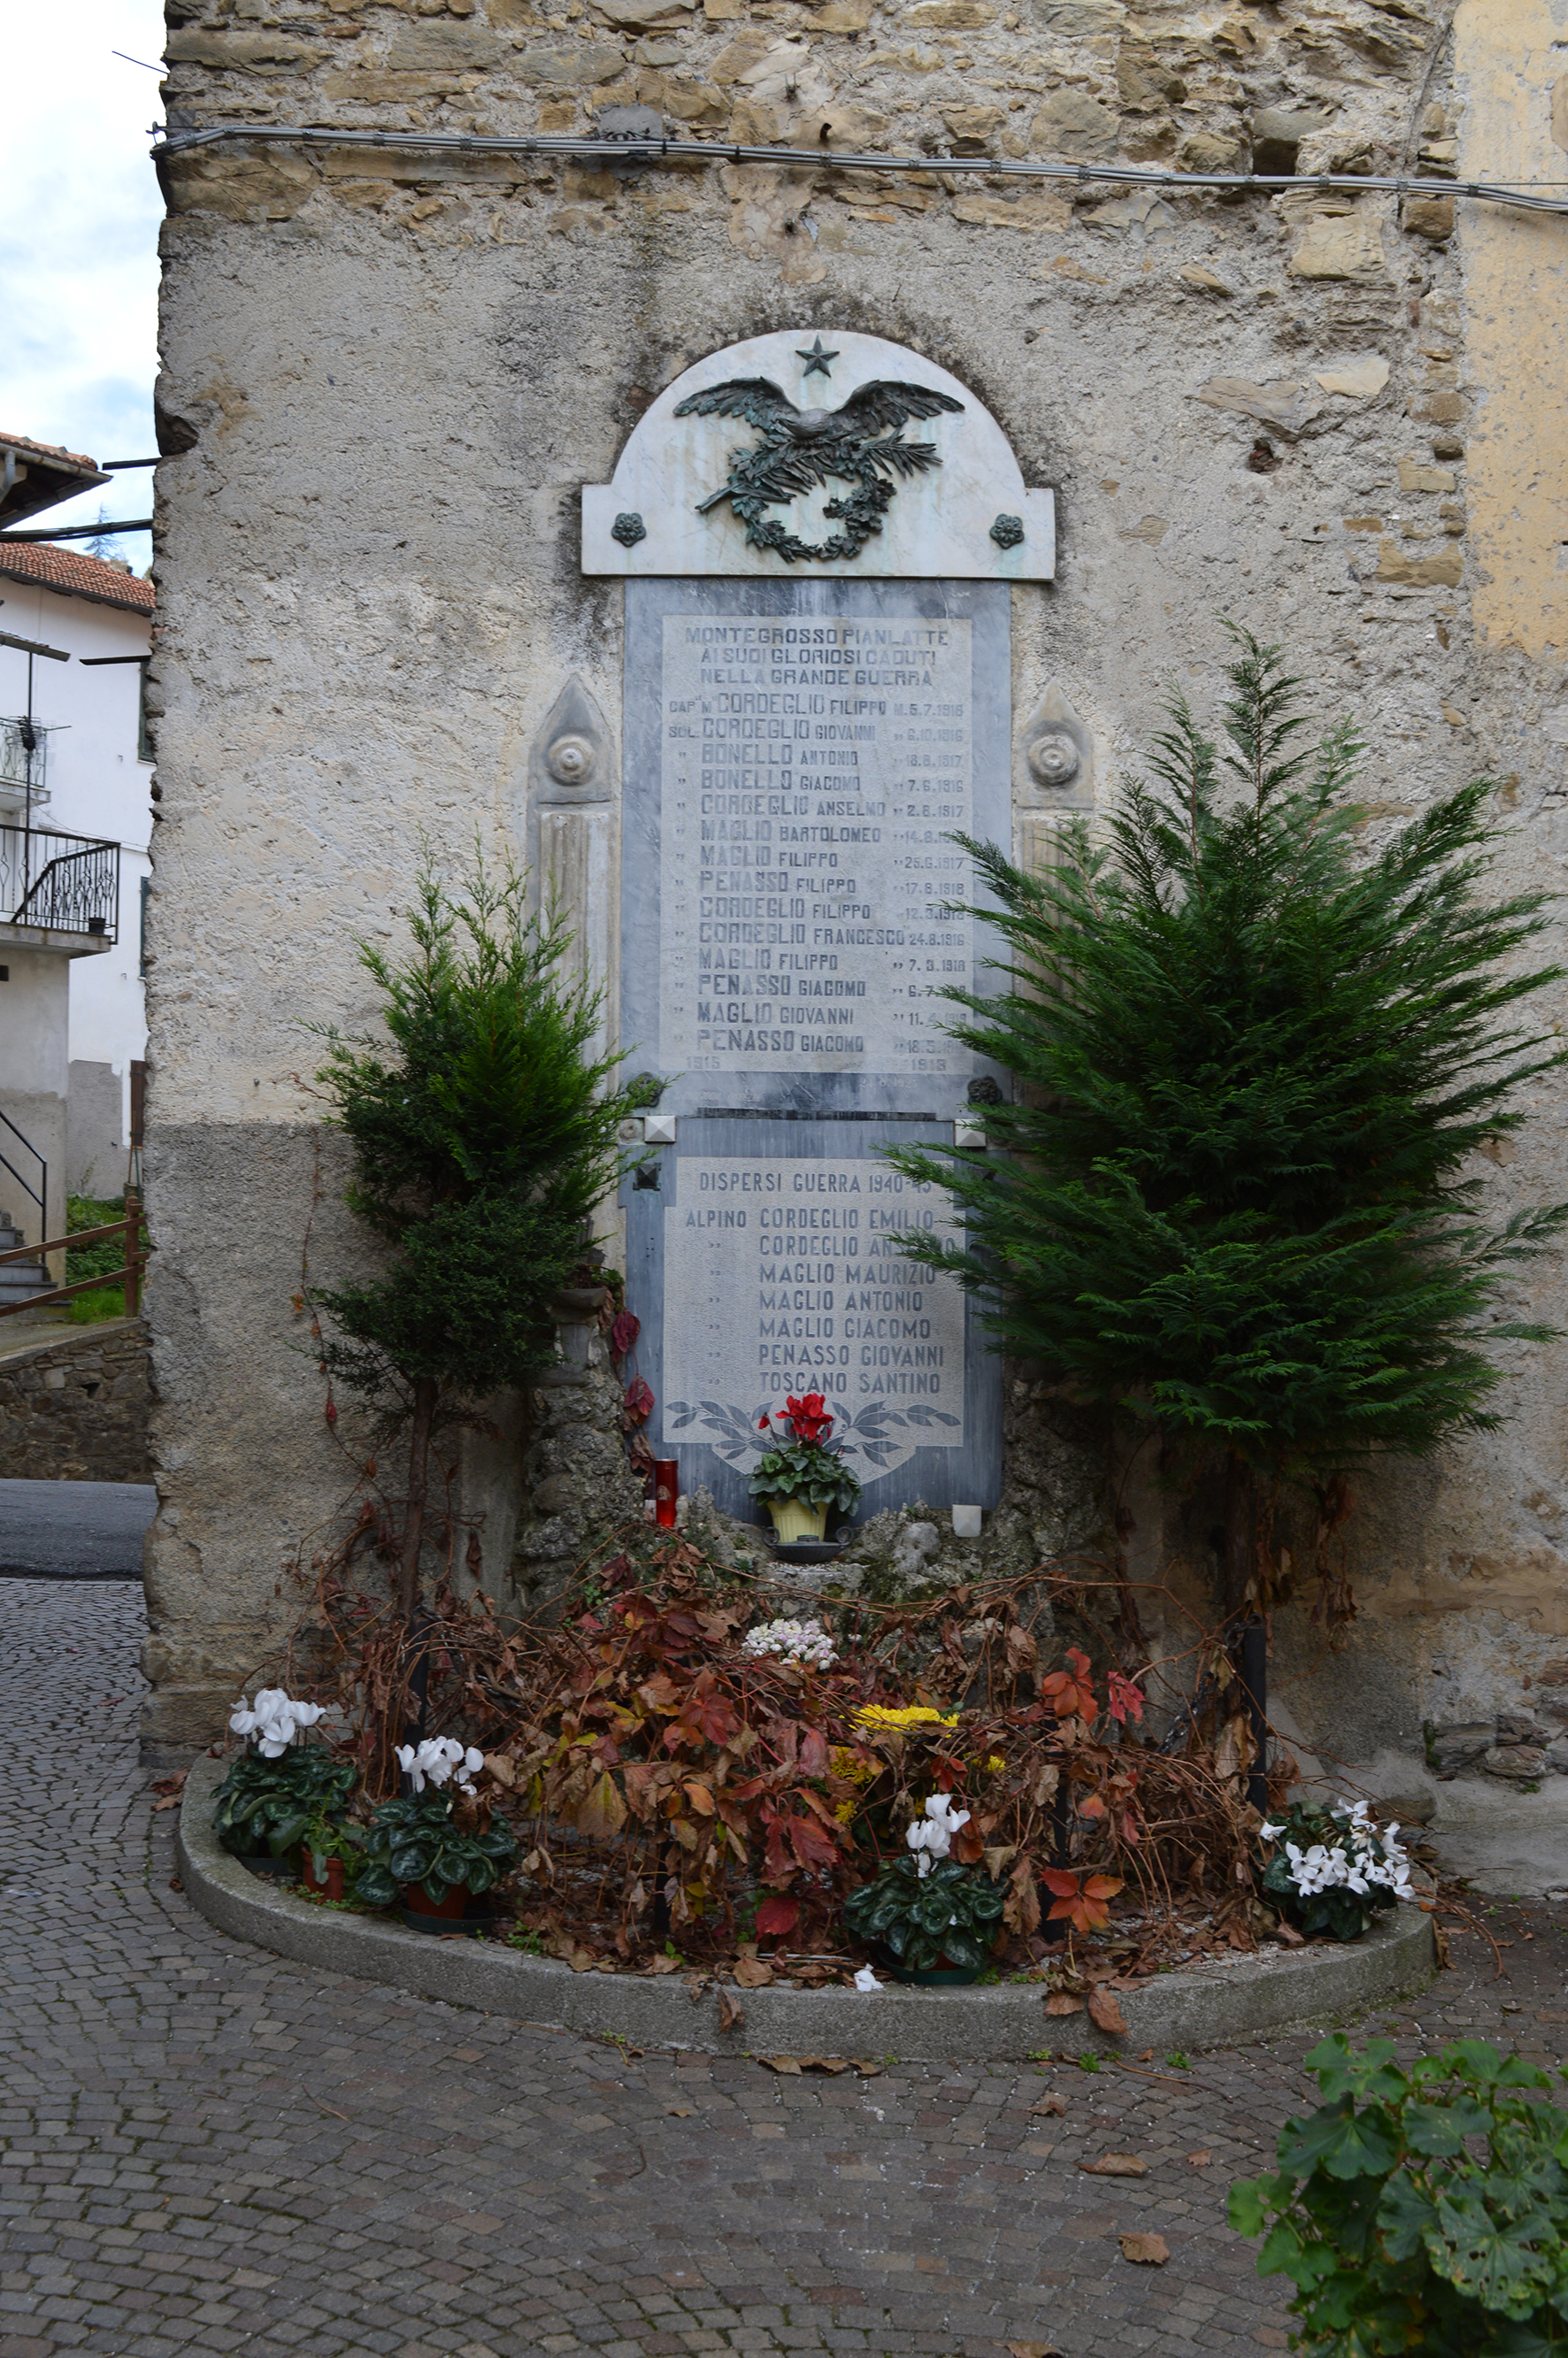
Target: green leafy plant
{"x":951,"y":1915}
{"x":100,"y":1260}
{"x":1239,"y":1201}
{"x":418,"y":1839}
{"x":327,"y":1834}
{"x":266,"y":1805}
{"x":1425,"y":2210}
{"x":1331,"y":1869}
{"x":483,"y":1134}
{"x":804,"y":1465}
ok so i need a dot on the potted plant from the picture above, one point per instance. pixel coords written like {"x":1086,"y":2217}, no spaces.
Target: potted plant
{"x":276,"y":1786}
{"x":936,"y":1928}
{"x":442,"y":1860}
{"x":800,"y":1477}
{"x":1332,"y":1868}
{"x":330,"y":1853}
{"x":934,"y":1917}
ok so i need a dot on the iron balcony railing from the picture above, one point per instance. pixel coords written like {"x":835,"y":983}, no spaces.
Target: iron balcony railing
{"x":63,"y":883}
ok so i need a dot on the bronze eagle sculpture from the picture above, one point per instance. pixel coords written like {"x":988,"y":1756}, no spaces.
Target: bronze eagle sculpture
{"x":857,"y":443}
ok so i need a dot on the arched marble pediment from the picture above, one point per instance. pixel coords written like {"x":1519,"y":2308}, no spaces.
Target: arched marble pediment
{"x":827,"y":455}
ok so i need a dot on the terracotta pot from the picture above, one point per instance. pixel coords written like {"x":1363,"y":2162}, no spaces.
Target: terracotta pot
{"x":277,"y":1870}
{"x":330,"y":1886}
{"x":459,"y":1914}
{"x":419,"y":1902}
{"x":935,"y":1977}
{"x":794,"y":1520}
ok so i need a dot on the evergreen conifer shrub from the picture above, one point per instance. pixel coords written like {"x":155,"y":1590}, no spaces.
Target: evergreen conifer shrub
{"x":484,"y":1131}
{"x":1236,"y":1196}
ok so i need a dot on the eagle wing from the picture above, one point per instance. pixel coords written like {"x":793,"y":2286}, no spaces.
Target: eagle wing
{"x":885,"y":401}
{"x":755,"y":398}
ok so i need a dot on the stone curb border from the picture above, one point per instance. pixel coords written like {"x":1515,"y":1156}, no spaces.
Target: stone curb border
{"x":1217,"y":2007}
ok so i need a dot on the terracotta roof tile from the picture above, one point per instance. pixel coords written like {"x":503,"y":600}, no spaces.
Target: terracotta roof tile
{"x":48,"y":450}
{"x":74,"y":575}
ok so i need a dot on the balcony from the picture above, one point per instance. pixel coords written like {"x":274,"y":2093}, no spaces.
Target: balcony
{"x":59,"y":884}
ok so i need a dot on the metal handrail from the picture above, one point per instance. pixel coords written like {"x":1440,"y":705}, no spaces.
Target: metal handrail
{"x":76,"y":890}
{"x":41,"y":1195}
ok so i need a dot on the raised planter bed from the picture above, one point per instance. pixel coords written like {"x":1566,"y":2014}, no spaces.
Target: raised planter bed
{"x":1214,"y":2006}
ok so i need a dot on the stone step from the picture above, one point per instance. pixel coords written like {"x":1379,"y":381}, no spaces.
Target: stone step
{"x":20,"y":1278}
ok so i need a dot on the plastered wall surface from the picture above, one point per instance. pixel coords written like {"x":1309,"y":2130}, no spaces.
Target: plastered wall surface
{"x":33,"y":1013}
{"x":1511,"y":59}
{"x":387,"y":377}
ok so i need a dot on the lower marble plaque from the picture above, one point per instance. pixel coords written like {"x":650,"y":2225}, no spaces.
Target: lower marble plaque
{"x":767,"y":1262}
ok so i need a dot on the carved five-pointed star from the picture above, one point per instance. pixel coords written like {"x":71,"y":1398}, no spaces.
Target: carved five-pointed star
{"x":817,"y":360}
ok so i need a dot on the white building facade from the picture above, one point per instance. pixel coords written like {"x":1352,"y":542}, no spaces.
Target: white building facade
{"x":75,"y":825}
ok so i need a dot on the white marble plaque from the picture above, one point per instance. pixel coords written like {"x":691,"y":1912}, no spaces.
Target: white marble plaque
{"x":812,"y":772}
{"x":785,"y":1275}
{"x":960,"y":508}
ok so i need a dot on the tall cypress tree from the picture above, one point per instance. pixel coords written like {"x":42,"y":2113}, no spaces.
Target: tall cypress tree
{"x":1236,"y":1198}
{"x":484,"y":1131}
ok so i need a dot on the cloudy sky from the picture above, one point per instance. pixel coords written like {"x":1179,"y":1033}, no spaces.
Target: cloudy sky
{"x":79,"y":220}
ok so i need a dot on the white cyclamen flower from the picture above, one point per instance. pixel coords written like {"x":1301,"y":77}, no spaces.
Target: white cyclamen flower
{"x":1360,"y":1858}
{"x":437,"y":1760}
{"x":275,"y":1720}
{"x":931,"y":1837}
{"x":866,"y":1980}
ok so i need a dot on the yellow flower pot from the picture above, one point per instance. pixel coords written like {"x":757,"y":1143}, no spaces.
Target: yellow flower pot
{"x":794,"y":1520}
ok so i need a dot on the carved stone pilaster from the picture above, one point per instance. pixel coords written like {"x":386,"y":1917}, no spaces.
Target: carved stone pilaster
{"x":1052,"y":780}
{"x":571,"y":834}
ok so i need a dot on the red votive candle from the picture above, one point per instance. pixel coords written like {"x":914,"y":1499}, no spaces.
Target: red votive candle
{"x":667,"y":1490}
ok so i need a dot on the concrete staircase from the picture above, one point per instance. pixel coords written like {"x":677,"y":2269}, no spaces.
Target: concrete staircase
{"x":18,"y":1278}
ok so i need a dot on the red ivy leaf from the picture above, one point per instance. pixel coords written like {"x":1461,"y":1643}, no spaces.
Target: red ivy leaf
{"x":1125,"y":1698}
{"x":624,"y":1333}
{"x":639,"y":1400}
{"x":778,"y":1916}
{"x":812,"y":1845}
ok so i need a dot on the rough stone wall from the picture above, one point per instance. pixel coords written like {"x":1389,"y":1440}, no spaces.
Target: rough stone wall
{"x":75,"y":1409}
{"x":388,"y":374}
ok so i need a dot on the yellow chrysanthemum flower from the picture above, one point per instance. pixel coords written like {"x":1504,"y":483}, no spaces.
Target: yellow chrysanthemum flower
{"x":908,"y":1715}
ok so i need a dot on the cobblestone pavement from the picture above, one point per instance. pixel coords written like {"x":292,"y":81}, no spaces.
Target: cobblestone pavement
{"x":208,"y":2150}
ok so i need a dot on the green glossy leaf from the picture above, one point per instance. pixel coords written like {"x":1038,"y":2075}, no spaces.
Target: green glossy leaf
{"x":1251,"y":2199}
{"x":1471,"y":2058}
{"x":1540,"y":2336}
{"x":961,"y":1948}
{"x":285,"y":1830}
{"x":1431,"y":2128}
{"x":1492,"y":2262}
{"x":1405,"y":2217}
{"x":1516,"y":2073}
{"x":1342,"y":2141}
{"x":1285,"y":2255}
